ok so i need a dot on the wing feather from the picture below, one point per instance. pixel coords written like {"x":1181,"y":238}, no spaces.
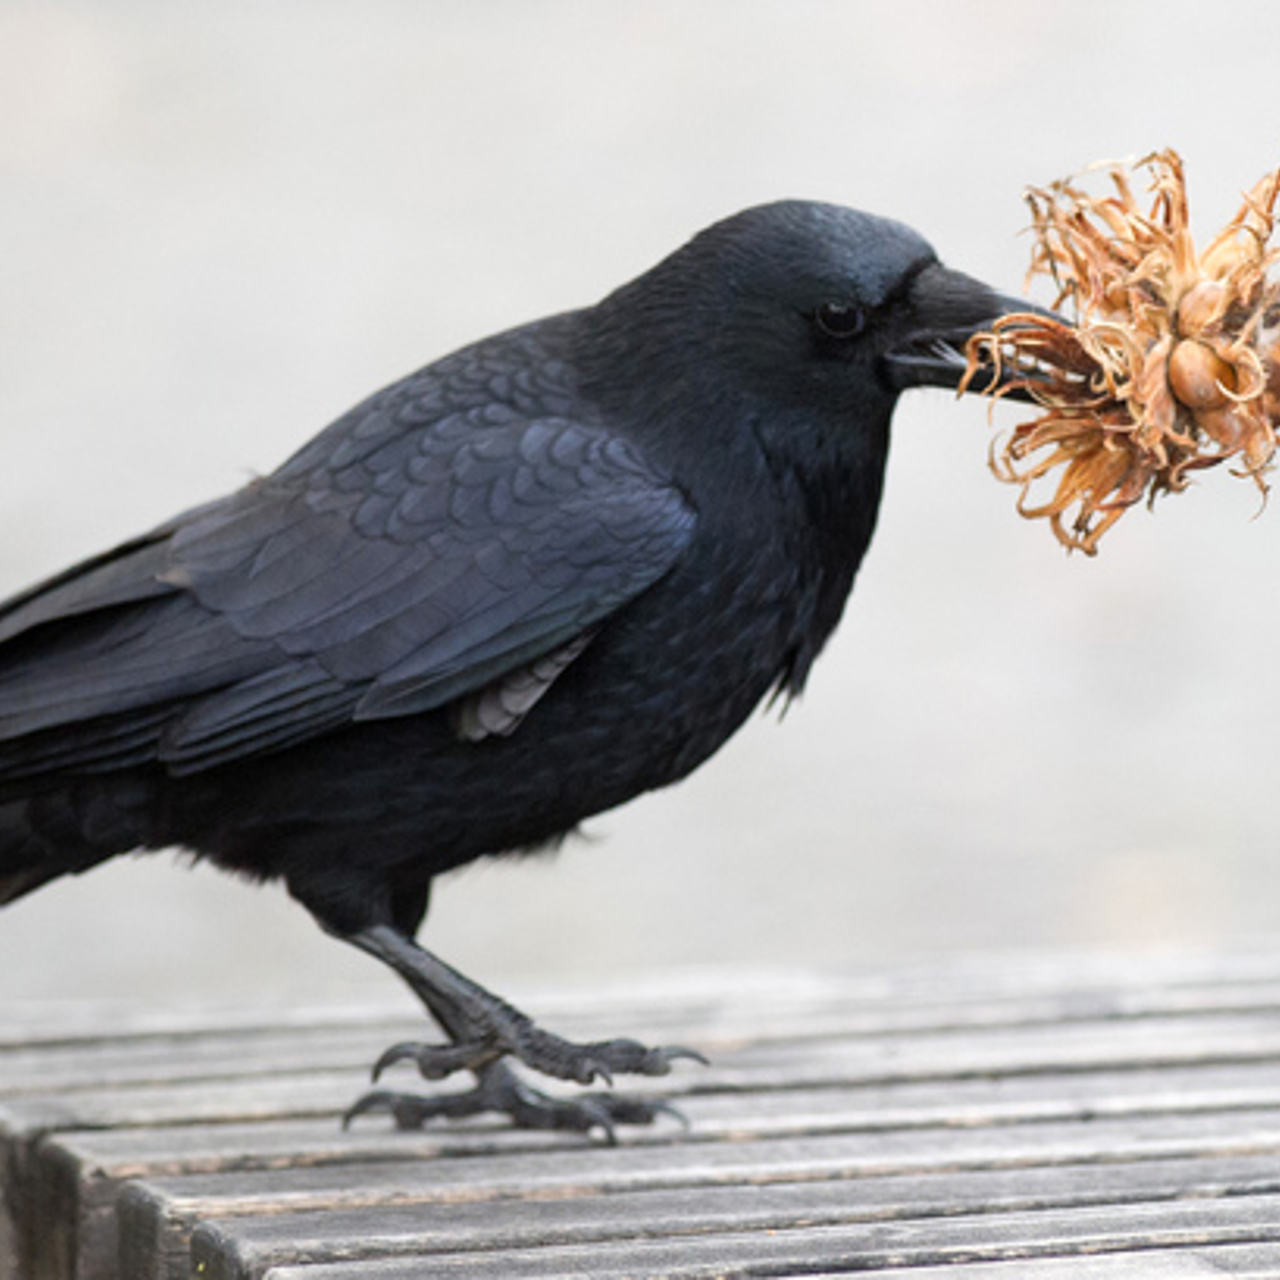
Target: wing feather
{"x":411,"y":555}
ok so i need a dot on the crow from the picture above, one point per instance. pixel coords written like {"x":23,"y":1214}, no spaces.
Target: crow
{"x":520,"y":586}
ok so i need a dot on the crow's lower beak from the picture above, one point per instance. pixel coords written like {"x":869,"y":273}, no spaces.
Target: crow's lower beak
{"x":945,"y":309}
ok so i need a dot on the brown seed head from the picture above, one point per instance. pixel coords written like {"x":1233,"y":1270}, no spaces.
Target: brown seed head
{"x":1170,"y":367}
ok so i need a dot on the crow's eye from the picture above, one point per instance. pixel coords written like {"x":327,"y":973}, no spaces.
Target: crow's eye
{"x":840,"y":319}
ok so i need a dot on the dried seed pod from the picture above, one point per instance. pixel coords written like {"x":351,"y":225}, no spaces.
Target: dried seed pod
{"x":1171,"y":365}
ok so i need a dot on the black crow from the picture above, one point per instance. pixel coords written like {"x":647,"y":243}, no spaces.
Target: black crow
{"x":518,"y":587}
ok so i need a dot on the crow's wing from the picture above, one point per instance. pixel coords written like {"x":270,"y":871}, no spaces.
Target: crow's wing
{"x":393,"y":566}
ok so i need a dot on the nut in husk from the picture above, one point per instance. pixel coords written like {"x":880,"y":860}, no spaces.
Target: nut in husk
{"x":1169,"y":367}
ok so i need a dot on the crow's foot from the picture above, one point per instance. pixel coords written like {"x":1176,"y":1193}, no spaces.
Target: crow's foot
{"x":487,"y":1036}
{"x":500,"y":1091}
{"x":514,"y":1034}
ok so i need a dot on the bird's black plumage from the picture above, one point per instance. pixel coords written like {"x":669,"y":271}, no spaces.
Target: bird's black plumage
{"x":536,"y":578}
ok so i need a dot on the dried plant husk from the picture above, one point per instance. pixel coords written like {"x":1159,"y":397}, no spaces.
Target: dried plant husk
{"x":1171,"y":364}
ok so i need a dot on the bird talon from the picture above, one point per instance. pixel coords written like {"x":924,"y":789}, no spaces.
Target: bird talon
{"x":406,"y":1049}
{"x":661,"y":1107}
{"x":438,"y":1061}
{"x":677,"y":1053}
{"x":374,"y":1100}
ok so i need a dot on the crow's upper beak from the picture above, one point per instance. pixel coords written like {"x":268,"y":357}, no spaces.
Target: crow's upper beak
{"x":944,"y":310}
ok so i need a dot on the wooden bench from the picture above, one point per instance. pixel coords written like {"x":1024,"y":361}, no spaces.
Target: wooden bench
{"x":1035,"y":1118}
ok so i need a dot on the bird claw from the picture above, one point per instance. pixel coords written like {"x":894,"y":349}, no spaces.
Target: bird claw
{"x":500,"y":1091}
{"x":435,"y":1061}
{"x":585,"y":1063}
{"x":540,"y":1051}
{"x":551,"y":1055}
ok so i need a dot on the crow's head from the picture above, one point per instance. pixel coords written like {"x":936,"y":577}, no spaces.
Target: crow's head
{"x":807,"y":305}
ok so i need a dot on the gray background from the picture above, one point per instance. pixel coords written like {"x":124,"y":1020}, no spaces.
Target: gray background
{"x":221,"y":224}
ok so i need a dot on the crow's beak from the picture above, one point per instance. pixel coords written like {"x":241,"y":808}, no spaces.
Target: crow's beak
{"x":944,"y":310}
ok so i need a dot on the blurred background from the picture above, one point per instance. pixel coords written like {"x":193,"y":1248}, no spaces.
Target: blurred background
{"x":223,"y":224}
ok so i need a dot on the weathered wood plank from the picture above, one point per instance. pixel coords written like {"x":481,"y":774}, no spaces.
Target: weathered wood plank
{"x":1047,"y":1078}
{"x":249,"y":1246}
{"x":162,"y":1212}
{"x":980,"y":977}
{"x":226,"y":1085}
{"x":758,"y":1010}
{"x":728,"y":1115}
{"x":731,"y":1115}
{"x":1259,"y":1261}
{"x":115,"y":1156}
{"x":899,"y":1244}
{"x":1248,"y":1261}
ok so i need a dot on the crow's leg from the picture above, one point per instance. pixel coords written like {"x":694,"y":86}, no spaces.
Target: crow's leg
{"x":484,"y":1031}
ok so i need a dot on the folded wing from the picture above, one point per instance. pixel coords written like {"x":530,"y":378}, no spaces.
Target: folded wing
{"x":391,"y":568}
